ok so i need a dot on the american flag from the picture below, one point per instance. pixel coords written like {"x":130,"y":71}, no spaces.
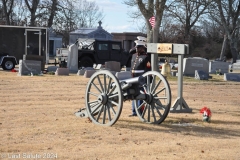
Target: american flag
{"x":152,"y":21}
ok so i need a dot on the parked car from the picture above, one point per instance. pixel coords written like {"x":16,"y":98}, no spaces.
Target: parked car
{"x":94,"y":51}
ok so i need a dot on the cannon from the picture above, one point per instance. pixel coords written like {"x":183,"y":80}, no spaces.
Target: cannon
{"x":105,"y":94}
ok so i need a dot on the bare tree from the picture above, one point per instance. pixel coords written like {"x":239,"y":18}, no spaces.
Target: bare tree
{"x":48,"y":9}
{"x":21,"y":12}
{"x":227,"y":13}
{"x":66,"y":16}
{"x":147,"y":10}
{"x":74,"y":14}
{"x":88,"y":13}
{"x":187,"y":13}
{"x":7,"y":10}
{"x":32,"y":5}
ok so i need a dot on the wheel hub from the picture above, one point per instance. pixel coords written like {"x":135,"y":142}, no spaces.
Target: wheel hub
{"x":149,"y":98}
{"x":102,"y":98}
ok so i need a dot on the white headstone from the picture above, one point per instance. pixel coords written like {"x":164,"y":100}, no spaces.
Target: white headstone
{"x":194,"y":63}
{"x":235,"y":67}
{"x":72,"y":62}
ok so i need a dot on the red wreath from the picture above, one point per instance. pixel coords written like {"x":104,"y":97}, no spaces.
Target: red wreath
{"x":207,"y":110}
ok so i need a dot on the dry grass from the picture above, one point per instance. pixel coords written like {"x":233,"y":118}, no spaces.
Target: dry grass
{"x":37,"y":117}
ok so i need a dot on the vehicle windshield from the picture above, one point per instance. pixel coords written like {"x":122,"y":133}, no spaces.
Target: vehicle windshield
{"x":85,"y":43}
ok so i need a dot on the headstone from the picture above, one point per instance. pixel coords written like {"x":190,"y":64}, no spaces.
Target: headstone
{"x":62,"y":72}
{"x":52,"y":68}
{"x":82,"y":71}
{"x":201,"y":75}
{"x":36,"y":58}
{"x":113,"y":66}
{"x":218,"y":66}
{"x":72,"y":63}
{"x":194,"y":63}
{"x":232,"y":77}
{"x":174,"y":73}
{"x":29,"y":67}
{"x":89,"y":73}
{"x":235,"y":67}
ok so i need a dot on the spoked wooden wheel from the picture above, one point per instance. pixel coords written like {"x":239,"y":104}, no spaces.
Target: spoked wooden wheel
{"x":157,"y":105}
{"x":103,"y":98}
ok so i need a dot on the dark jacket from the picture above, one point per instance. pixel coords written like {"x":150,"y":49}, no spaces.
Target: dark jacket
{"x":140,"y":64}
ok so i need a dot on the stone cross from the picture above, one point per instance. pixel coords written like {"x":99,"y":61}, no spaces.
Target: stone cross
{"x":100,"y":23}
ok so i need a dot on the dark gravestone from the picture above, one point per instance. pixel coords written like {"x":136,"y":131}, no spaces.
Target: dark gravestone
{"x":194,"y":63}
{"x":36,"y":58}
{"x":232,"y":77}
{"x":29,"y":67}
{"x":218,"y":66}
{"x":201,"y":75}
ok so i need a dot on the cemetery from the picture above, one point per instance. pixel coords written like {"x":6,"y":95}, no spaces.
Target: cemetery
{"x":192,"y":103}
{"x":73,"y":90}
{"x":38,"y":114}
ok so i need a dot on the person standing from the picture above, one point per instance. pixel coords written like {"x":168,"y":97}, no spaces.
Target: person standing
{"x":141,"y":63}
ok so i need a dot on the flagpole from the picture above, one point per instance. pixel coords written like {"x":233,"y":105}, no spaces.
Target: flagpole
{"x":154,"y":57}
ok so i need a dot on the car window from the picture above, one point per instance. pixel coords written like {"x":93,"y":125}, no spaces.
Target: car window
{"x":115,"y":47}
{"x":103,"y":47}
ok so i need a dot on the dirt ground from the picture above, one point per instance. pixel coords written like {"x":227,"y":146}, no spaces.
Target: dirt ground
{"x":37,"y":121}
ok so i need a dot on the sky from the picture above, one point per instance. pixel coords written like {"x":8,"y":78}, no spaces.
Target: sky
{"x":116,"y":16}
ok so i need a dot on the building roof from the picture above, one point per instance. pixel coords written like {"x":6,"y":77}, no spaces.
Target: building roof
{"x":91,"y":31}
{"x":95,"y":33}
{"x":83,"y":31}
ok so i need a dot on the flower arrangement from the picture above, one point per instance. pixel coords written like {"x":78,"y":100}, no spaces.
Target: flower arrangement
{"x":206,"y":112}
{"x":13,"y":70}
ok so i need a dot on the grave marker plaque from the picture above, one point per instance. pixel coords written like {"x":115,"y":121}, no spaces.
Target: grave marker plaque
{"x":201,"y":75}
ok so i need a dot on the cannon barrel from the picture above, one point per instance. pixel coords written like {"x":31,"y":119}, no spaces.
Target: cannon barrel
{"x":140,"y":80}
{"x":126,"y":83}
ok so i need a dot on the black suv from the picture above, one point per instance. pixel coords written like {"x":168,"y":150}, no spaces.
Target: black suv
{"x":92,"y":51}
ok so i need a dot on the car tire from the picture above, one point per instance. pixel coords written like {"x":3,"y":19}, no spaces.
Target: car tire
{"x":8,"y":64}
{"x":86,"y":62}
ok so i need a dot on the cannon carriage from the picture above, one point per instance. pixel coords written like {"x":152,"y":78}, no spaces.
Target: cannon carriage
{"x":105,"y":94}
